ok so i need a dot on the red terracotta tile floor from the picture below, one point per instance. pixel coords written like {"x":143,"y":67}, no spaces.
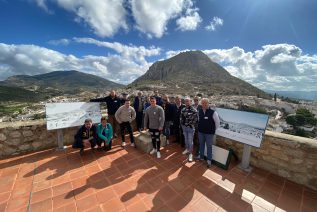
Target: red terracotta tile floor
{"x":126,"y":179}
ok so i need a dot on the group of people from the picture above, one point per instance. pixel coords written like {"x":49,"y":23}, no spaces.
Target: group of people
{"x":191,"y":123}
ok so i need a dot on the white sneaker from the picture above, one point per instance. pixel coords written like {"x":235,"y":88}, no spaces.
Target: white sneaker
{"x":158,"y":155}
{"x":185,"y":152}
{"x":133,"y":145}
{"x":123,"y":144}
{"x":190,"y":157}
{"x":153,"y":151}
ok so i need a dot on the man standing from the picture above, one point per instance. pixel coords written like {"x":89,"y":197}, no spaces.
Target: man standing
{"x":138,"y":105}
{"x":169,"y":111}
{"x":113,"y":103}
{"x":176,"y":122}
{"x":125,"y":115}
{"x":154,"y":116}
{"x":188,"y":123}
{"x":197,"y":106}
{"x":208,"y":122}
{"x":158,"y":98}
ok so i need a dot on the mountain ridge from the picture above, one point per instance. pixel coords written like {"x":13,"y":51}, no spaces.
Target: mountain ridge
{"x":194,"y":71}
{"x":58,"y":83}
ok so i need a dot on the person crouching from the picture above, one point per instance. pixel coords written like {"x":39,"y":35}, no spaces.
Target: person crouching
{"x":86,"y":136}
{"x":105,"y":134}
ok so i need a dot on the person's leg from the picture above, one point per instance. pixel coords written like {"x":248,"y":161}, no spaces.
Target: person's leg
{"x":129,"y":128}
{"x":182,"y":138}
{"x":190,"y":137}
{"x":185,"y":132}
{"x":209,"y":140}
{"x":158,"y":143}
{"x":201,"y":138}
{"x":110,"y":144}
{"x":157,"y":139}
{"x":122,"y":126}
{"x":139,"y":120}
{"x":153,"y":139}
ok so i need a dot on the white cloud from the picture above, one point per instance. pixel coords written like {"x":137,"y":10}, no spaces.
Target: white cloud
{"x":136,"y":53}
{"x":152,"y":17}
{"x":279,"y":67}
{"x":42,"y":4}
{"x":105,"y":17}
{"x":214,"y":24}
{"x":189,"y":22}
{"x":32,"y":60}
{"x":63,"y":42}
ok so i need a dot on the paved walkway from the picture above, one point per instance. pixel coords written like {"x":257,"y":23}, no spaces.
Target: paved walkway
{"x":129,"y":180}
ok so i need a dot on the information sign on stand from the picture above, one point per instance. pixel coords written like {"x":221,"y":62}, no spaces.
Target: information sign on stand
{"x":245,"y":127}
{"x":64,"y":115}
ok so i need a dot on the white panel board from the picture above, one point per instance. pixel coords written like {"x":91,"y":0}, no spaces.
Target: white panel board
{"x":218,"y":154}
{"x":245,"y":127}
{"x":64,"y":115}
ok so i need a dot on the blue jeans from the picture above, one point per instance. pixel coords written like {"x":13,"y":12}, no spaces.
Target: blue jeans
{"x":167,"y":129}
{"x":189,"y":137}
{"x":208,"y":140}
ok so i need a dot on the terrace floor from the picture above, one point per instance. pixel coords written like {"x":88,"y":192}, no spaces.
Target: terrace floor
{"x":129,"y":180}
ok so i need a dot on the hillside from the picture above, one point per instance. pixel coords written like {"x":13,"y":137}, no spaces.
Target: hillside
{"x":61,"y":82}
{"x":193,"y":71}
{"x":19,"y":94}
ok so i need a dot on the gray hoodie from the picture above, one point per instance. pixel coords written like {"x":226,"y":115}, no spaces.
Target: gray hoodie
{"x":125,"y":114}
{"x":155,"y":117}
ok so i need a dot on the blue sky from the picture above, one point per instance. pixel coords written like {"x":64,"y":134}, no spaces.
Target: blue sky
{"x":271,"y":44}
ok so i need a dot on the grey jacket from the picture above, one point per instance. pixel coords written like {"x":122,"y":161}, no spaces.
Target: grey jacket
{"x":155,"y":117}
{"x":125,"y":114}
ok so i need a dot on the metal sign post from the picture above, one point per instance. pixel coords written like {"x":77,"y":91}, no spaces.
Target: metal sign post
{"x":60,"y":140}
{"x":245,"y":163}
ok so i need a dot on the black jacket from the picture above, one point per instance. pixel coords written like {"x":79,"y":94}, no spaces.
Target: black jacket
{"x":206,"y":123}
{"x":113,"y":103}
{"x":84,"y":133}
{"x":177,"y":115}
{"x":169,"y":110}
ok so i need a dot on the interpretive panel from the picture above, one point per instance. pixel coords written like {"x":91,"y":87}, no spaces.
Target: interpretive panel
{"x":64,"y":115}
{"x":245,"y":127}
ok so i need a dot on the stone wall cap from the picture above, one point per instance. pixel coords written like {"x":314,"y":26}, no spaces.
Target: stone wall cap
{"x":291,"y":137}
{"x":22,"y":123}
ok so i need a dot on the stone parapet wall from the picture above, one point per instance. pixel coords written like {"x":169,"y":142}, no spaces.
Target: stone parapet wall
{"x":18,"y":138}
{"x":292,"y":157}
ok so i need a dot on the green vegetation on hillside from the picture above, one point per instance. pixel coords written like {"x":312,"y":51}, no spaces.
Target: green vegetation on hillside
{"x":11,"y":108}
{"x":18,"y":94}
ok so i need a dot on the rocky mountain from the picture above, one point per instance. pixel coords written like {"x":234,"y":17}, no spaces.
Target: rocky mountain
{"x":57,"y":83}
{"x":193,"y":71}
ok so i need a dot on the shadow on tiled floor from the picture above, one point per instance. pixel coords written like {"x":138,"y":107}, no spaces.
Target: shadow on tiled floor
{"x":129,"y":180}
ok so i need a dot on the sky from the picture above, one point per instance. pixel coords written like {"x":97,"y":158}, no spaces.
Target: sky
{"x":271,"y":44}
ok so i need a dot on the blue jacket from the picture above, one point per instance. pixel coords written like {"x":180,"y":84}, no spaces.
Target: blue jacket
{"x":105,"y":133}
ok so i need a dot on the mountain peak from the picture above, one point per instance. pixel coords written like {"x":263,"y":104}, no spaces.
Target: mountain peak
{"x":191,"y":72}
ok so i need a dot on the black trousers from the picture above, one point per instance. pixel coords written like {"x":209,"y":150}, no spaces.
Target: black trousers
{"x":155,"y":135}
{"x":100,"y":141}
{"x":179,"y":135}
{"x":139,"y":119}
{"x":126,"y":125}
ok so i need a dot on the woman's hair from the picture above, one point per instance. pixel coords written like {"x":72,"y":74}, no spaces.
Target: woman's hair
{"x":103,"y":118}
